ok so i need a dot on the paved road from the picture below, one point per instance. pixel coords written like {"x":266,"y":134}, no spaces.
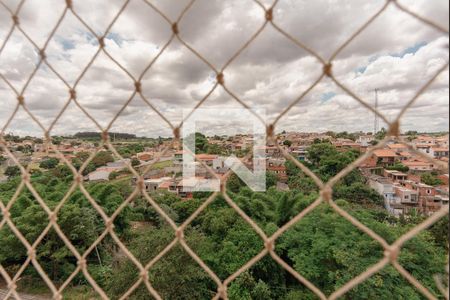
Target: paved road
{"x":3,"y":293}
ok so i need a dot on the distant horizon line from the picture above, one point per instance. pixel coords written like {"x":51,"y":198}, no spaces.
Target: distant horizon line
{"x":134,"y":136}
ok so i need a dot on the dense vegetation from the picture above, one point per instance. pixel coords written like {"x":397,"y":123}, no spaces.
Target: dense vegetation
{"x":431,"y":179}
{"x":398,"y":167}
{"x":203,"y":146}
{"x":97,"y":135}
{"x":323,"y":247}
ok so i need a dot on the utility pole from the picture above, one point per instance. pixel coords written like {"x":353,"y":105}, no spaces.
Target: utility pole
{"x":376,"y":122}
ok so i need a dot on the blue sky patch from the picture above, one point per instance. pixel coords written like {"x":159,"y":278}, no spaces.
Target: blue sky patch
{"x":361,"y":69}
{"x":327,"y":96}
{"x":410,"y":50}
{"x":116,"y":38}
{"x":90,"y":38}
{"x":67,"y":44}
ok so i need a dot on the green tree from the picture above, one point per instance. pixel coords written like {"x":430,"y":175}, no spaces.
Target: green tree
{"x":215,"y":149}
{"x":135,"y":162}
{"x":49,"y":163}
{"x":358,"y":193}
{"x":329,"y":251}
{"x":346,"y":135}
{"x":271,"y":179}
{"x":298,"y":180}
{"x":201,"y":143}
{"x":113,"y":175}
{"x":287,"y":143}
{"x":12,"y":171}
{"x":25,"y":149}
{"x":317,"y":152}
{"x":102,"y":158}
{"x":440,"y":232}
{"x":323,"y":246}
{"x":234,"y":183}
{"x":399,"y":167}
{"x":191,"y":281}
{"x":247,"y":287}
{"x":285,"y":209}
{"x":430,"y":179}
{"x":63,"y":172}
{"x":82,"y":156}
{"x":380,"y":135}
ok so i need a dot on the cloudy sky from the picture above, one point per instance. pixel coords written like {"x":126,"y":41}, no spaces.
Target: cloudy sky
{"x":396,"y":55}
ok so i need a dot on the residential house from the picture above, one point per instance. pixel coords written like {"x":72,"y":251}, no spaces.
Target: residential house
{"x":208,"y":159}
{"x":442,"y":141}
{"x":187,"y":186}
{"x":152,"y":185}
{"x":405,"y":155}
{"x":300,"y":152}
{"x":385,"y":187}
{"x":365,"y":140}
{"x":271,"y":151}
{"x":219,"y":165}
{"x":425,"y":148}
{"x":430,"y":200}
{"x":369,"y":163}
{"x":424,"y":139}
{"x":169,"y":186}
{"x":439,"y":153}
{"x":280,"y":171}
{"x":417,"y":165}
{"x":398,"y":147}
{"x":385,"y":157}
{"x":395,"y":176}
{"x":408,"y":198}
{"x":178,"y":157}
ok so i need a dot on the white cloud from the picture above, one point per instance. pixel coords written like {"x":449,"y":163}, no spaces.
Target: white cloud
{"x":271,"y":73}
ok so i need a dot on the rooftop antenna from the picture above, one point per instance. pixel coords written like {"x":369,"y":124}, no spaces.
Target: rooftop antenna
{"x":376,"y":122}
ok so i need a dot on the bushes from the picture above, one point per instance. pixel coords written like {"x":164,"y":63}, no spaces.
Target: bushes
{"x":323,"y":246}
{"x":399,"y":167}
{"x":49,"y":163}
{"x":12,"y":171}
{"x":430,"y":179}
{"x":113,"y":175}
{"x":358,"y":193}
{"x":102,"y":158}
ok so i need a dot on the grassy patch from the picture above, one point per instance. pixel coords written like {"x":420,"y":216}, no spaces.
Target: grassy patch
{"x":162,"y":164}
{"x":80,"y":293}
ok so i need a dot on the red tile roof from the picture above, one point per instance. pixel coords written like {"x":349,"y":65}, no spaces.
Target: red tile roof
{"x":440,"y":149}
{"x":165,"y":185}
{"x":416,"y":163}
{"x":277,"y":168}
{"x":384,"y":153}
{"x":397,"y":146}
{"x":206,"y":156}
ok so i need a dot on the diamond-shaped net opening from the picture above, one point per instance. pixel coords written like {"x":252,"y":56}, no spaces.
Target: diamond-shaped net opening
{"x":39,"y":252}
